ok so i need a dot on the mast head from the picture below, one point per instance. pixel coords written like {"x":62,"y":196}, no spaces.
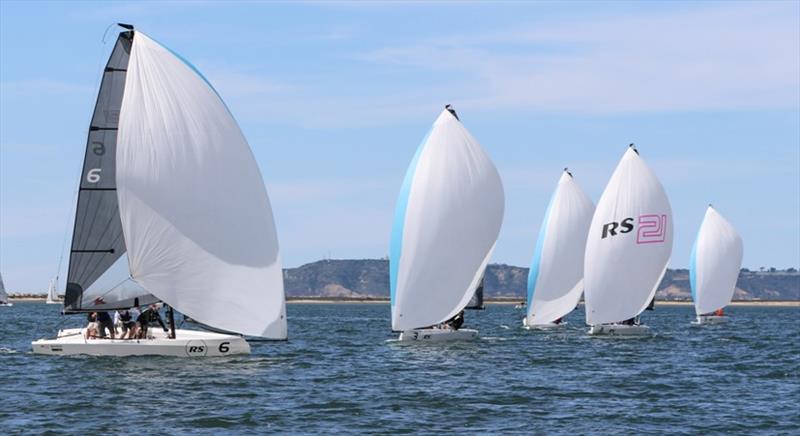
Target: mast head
{"x":633,"y":147}
{"x":451,"y":110}
{"x":566,"y":170}
{"x":125,"y":26}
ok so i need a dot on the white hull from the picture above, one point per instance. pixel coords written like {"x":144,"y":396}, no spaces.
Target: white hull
{"x":6,"y":304}
{"x":438,"y":335}
{"x":519,"y":306}
{"x":52,"y":302}
{"x":710,"y":319}
{"x":548,"y":326}
{"x":188,"y":343}
{"x":619,"y":330}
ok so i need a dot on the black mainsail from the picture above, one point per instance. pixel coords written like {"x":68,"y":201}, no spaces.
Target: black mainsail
{"x":98,"y":245}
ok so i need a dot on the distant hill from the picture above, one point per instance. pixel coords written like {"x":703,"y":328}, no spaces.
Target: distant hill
{"x":370,"y":278}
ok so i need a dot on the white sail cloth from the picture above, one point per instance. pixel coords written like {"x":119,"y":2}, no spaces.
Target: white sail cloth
{"x":52,"y":291}
{"x":447,"y":220}
{"x":195,"y":213}
{"x":629,"y":243}
{"x":555,"y":280}
{"x":3,"y":294}
{"x":715,"y":263}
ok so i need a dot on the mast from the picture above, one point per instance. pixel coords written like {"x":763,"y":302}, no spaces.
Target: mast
{"x":171,"y":317}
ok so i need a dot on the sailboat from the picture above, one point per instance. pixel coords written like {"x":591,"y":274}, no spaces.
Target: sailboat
{"x":171,"y":208}
{"x":714,"y":267}
{"x":3,"y":295}
{"x":446,"y":223}
{"x":555,"y":279}
{"x":627,"y":250}
{"x":52,"y":293}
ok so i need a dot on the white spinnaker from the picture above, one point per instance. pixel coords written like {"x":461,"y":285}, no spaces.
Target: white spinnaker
{"x":555,"y":281}
{"x":453,"y":211}
{"x":622,"y":268}
{"x":715,"y":263}
{"x":195,"y":213}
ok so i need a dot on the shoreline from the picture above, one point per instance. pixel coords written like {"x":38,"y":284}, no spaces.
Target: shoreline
{"x":488,"y":302}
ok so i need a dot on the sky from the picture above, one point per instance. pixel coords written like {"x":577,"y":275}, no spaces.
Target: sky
{"x":334,"y":98}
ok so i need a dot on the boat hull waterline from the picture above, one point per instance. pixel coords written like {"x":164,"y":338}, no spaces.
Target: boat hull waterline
{"x":619,"y":330}
{"x":710,"y":319}
{"x":188,"y":343}
{"x":438,"y":335}
{"x":548,"y":326}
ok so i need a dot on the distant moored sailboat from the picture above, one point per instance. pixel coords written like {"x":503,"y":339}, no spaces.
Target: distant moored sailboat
{"x":52,"y":292}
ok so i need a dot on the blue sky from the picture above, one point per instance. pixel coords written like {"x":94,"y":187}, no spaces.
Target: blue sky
{"x":335,"y":97}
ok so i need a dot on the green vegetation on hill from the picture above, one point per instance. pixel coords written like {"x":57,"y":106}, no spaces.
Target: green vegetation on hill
{"x":370,"y":278}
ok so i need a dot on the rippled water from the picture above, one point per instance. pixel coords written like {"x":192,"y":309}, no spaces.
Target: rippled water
{"x":338,"y":373}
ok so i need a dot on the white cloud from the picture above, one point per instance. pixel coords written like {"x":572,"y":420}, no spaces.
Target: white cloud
{"x":721,"y":57}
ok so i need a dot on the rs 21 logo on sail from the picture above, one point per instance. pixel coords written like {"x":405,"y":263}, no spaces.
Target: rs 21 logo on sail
{"x":650,"y":228}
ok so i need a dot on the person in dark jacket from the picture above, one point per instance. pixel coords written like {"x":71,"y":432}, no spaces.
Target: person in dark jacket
{"x":105,"y":323}
{"x":148,"y":316}
{"x":455,"y":322}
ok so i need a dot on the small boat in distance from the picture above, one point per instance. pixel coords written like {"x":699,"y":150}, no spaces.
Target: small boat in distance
{"x":171,"y":208}
{"x":628,"y":248}
{"x":555,"y":279}
{"x":3,"y":295}
{"x":446,"y":223}
{"x":714,"y":267}
{"x":52,"y":293}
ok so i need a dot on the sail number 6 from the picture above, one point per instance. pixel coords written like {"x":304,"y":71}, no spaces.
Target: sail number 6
{"x":93,"y":176}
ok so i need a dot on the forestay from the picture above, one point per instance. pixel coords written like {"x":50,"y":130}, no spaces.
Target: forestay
{"x":555,"y":280}
{"x":715,"y":263}
{"x":629,"y":243}
{"x":447,"y":220}
{"x":194,"y":210}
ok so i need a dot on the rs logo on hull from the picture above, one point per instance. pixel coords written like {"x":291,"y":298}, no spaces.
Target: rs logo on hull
{"x":651,"y":228}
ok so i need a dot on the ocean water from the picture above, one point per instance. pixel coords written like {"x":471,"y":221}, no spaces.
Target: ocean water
{"x":340,"y":372}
